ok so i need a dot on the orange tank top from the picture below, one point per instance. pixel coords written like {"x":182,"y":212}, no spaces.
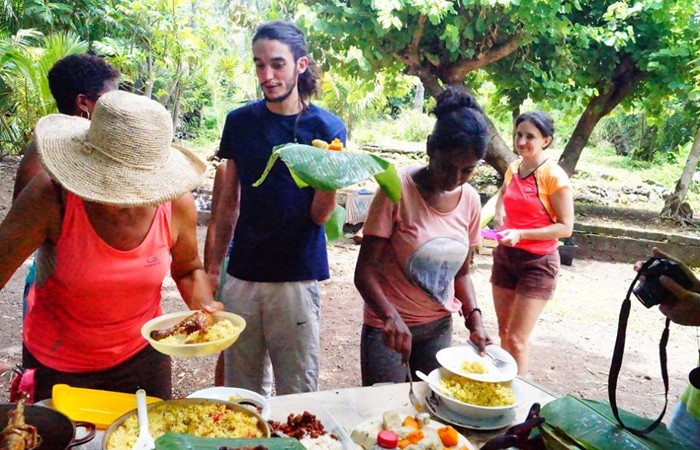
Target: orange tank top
{"x":86,"y":315}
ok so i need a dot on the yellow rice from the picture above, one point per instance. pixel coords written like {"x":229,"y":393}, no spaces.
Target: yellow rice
{"x":477,"y":392}
{"x":220,"y":330}
{"x":473,"y":367}
{"x":213,"y":420}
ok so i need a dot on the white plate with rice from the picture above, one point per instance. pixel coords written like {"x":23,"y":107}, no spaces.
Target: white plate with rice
{"x":465,"y":361}
{"x":224,"y":332}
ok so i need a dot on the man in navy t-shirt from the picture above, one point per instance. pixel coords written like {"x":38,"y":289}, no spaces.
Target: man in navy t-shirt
{"x":280,"y":252}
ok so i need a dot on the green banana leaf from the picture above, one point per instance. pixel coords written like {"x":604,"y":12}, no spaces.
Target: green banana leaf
{"x":329,"y":170}
{"x":576,"y":423}
{"x":334,"y":226}
{"x":177,"y":441}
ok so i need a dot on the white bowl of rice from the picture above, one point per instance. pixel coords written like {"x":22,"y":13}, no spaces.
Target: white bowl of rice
{"x":224,"y":332}
{"x":194,"y":416}
{"x":474,"y":399}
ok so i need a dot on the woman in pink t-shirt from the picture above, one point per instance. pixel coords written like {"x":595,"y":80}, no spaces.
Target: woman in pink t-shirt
{"x":413,"y":267}
{"x":535,"y":208}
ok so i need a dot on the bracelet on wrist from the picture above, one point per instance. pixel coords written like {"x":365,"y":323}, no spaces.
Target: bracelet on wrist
{"x":472,"y":311}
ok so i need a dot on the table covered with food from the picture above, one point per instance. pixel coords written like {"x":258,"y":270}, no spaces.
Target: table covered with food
{"x":349,"y":418}
{"x":470,"y":399}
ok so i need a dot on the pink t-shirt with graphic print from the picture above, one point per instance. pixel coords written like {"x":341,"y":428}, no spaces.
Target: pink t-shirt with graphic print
{"x":427,"y":250}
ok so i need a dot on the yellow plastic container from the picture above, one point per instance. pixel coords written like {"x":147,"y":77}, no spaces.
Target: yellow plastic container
{"x":94,"y":405}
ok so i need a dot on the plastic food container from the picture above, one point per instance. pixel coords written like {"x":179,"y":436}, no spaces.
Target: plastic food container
{"x":282,"y":408}
{"x":191,"y":350}
{"x":93,"y":405}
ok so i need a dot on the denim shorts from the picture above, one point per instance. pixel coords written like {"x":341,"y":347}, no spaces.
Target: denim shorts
{"x":529,"y":274}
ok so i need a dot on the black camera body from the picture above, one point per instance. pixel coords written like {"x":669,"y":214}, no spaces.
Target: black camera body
{"x":650,"y":291}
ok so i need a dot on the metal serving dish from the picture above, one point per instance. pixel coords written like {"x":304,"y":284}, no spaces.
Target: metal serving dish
{"x":261,"y":423}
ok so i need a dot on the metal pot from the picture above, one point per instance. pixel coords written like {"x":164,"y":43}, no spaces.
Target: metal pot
{"x":56,"y":430}
{"x":262,"y":424}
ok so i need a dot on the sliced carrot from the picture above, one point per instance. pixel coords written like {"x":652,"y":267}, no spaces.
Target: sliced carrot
{"x":335,"y":145}
{"x":448,"y":436}
{"x":410,"y":422}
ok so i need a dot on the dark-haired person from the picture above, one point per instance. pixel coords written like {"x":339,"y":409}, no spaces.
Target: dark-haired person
{"x":683,"y":308}
{"x":76,"y":82}
{"x":280,"y":251}
{"x":534,"y":209}
{"x":413,"y":266}
{"x":112,"y":223}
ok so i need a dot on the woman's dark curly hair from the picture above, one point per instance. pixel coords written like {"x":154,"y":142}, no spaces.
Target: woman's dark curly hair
{"x":78,"y":74}
{"x":460,"y":123}
{"x":290,"y":35}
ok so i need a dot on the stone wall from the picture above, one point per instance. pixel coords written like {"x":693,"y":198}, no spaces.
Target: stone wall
{"x":605,"y":243}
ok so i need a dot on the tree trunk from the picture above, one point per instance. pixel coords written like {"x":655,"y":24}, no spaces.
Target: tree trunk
{"x":498,"y":155}
{"x":418,"y":96}
{"x":674,"y":204}
{"x":148,"y":82}
{"x":623,"y":81}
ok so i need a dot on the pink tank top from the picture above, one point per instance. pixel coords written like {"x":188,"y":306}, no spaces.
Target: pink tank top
{"x":87,"y":315}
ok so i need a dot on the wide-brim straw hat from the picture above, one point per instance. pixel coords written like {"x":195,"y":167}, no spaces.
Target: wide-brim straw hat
{"x":123,"y":157}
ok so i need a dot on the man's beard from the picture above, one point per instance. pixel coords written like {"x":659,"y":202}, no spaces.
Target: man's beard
{"x":285,"y":96}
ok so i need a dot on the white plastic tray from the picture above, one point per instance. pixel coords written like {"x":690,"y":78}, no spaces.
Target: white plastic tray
{"x":282,"y":408}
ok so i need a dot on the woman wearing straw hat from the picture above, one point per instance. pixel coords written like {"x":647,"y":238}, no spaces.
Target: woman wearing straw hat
{"x":112,"y":214}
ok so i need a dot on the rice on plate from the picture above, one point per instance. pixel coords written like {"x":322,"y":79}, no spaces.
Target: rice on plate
{"x":213,"y":420}
{"x":220,"y":330}
{"x":478,"y":392}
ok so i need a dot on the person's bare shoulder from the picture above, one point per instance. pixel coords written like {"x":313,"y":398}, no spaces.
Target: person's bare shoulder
{"x":29,"y":166}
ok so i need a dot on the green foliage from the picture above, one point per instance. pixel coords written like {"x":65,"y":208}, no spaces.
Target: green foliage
{"x":25,"y":60}
{"x":633,"y":135}
{"x":408,"y":126}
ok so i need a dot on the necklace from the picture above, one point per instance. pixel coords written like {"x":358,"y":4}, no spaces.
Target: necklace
{"x":526,"y":170}
{"x":304,"y":108}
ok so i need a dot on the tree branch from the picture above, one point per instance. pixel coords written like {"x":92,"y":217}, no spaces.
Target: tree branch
{"x":457,"y":72}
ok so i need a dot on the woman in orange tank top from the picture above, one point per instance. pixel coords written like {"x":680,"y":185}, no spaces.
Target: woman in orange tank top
{"x":534,"y":209}
{"x":111,"y":216}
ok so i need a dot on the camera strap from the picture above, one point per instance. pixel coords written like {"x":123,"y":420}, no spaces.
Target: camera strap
{"x":616,"y":364}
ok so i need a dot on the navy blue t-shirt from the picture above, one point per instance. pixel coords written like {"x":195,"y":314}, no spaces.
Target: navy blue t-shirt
{"x":276,"y":240}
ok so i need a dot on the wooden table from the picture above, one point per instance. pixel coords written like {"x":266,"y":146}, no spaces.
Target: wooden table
{"x":352,"y":406}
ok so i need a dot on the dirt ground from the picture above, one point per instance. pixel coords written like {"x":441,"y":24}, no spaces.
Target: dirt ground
{"x":571,"y":345}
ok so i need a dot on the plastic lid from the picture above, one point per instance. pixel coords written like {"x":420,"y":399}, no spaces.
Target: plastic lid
{"x":387,"y":439}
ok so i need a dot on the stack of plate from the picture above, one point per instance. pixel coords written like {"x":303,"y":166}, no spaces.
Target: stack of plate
{"x":468,"y":415}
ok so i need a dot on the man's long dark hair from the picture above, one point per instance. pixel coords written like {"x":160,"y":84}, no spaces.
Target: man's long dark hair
{"x":290,"y":35}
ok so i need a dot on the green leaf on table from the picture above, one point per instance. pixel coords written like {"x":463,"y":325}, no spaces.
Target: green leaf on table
{"x":177,"y":441}
{"x":575,"y":423}
{"x":329,"y":170}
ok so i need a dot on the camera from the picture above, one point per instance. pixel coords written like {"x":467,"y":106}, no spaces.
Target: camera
{"x":650,"y":291}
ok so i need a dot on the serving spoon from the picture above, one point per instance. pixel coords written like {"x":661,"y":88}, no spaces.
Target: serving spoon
{"x":145,"y":440}
{"x":430,"y":382}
